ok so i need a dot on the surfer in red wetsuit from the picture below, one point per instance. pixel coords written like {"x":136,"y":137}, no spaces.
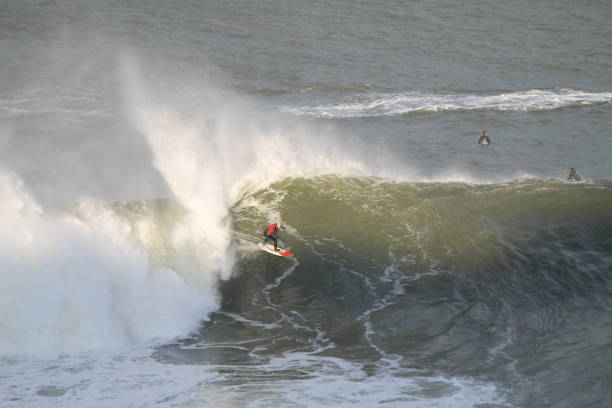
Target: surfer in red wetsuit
{"x":270,"y":233}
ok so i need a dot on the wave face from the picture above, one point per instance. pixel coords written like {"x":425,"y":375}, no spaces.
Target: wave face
{"x":407,"y":280}
{"x":380,"y":104}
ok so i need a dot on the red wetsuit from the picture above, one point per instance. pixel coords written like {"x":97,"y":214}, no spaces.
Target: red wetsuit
{"x":271,"y":229}
{"x":270,"y":233}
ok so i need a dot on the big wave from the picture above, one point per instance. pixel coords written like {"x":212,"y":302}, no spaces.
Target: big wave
{"x":94,"y":277}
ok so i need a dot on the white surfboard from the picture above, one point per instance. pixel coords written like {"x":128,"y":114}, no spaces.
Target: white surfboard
{"x":269,"y":248}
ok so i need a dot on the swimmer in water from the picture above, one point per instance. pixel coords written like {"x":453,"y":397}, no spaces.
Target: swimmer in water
{"x":484,"y":139}
{"x":573,"y":176}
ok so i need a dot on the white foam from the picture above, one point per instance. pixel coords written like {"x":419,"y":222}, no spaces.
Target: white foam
{"x":127,"y":379}
{"x":377,"y":104}
{"x":67,"y":285}
{"x":334,"y":382}
{"x":132,"y":379}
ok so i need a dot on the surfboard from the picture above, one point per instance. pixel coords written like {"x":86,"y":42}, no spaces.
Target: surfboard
{"x":269,"y":248}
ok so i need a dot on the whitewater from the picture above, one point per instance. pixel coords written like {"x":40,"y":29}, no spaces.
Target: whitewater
{"x":144,"y":146}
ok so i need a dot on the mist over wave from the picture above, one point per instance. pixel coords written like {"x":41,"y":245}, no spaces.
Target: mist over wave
{"x":377,"y":104}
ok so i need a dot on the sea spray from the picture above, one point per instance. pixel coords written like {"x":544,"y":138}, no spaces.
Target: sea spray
{"x":211,"y":151}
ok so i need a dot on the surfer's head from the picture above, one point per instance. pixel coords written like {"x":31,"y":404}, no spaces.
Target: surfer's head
{"x":279,"y":225}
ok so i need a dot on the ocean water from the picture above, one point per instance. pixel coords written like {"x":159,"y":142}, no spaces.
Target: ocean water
{"x":144,"y":145}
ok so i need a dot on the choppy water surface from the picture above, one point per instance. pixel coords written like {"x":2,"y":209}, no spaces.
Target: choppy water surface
{"x":146,"y":144}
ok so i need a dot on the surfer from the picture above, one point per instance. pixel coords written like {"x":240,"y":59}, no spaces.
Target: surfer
{"x":270,"y":233}
{"x":573,"y":176}
{"x":484,"y":139}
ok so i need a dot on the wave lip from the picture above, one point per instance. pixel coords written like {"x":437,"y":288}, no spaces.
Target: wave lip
{"x":394,"y":104}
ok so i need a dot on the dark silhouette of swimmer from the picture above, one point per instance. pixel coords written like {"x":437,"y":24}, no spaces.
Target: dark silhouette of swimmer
{"x":484,"y":139}
{"x":573,"y":176}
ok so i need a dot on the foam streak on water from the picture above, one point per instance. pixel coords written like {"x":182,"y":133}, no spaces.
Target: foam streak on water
{"x":376,"y":105}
